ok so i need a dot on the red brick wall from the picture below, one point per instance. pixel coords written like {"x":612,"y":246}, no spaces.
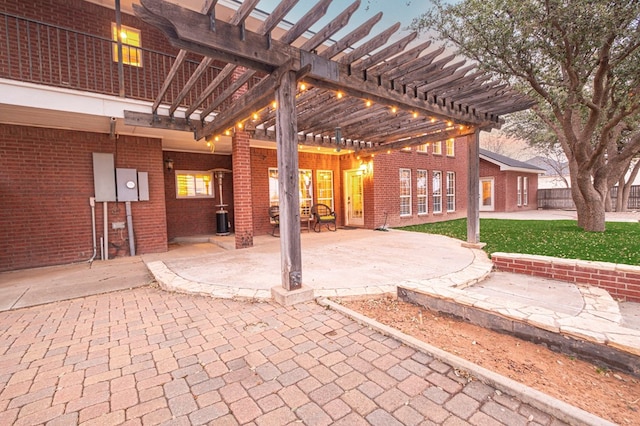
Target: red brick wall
{"x":263,"y":159}
{"x":85,"y":17}
{"x":189,"y":217}
{"x":506,"y":187}
{"x":386,"y":184}
{"x":621,"y":281}
{"x":488,"y":170}
{"x":242,"y":188}
{"x":92,"y":68}
{"x":45,"y":184}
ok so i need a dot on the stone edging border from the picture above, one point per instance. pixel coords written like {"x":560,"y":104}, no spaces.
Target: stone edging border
{"x":559,"y":409}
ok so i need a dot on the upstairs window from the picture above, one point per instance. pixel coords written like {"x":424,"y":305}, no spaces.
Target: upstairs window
{"x":131,"y":43}
{"x":450,"y":147}
{"x":437,"y":148}
{"x":424,"y":148}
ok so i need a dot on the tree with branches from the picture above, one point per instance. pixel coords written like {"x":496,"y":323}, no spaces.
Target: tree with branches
{"x":579,"y":60}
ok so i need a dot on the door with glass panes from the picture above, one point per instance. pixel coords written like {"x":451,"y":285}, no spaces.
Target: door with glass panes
{"x":354,"y":197}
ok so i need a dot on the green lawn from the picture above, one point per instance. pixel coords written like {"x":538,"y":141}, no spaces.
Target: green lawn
{"x":620,"y":243}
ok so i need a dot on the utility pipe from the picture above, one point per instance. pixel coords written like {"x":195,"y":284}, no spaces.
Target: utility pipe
{"x":106,"y":231}
{"x":132,"y":242}
{"x":92,"y":203}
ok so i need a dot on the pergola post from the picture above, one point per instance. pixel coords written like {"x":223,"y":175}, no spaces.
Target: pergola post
{"x":288,"y":185}
{"x":473,"y":186}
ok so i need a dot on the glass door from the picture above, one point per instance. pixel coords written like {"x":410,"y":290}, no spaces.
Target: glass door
{"x":486,"y":195}
{"x":354,"y":215}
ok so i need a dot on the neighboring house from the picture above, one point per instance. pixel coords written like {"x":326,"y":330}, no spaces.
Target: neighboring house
{"x":556,"y":174}
{"x":507,"y":185}
{"x":64,"y":140}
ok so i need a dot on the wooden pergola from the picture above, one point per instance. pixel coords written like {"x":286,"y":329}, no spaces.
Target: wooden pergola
{"x":382,"y":95}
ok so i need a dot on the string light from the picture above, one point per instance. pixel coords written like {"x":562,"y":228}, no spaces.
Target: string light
{"x":255,"y":115}
{"x":303,"y":87}
{"x":239,"y":125}
{"x":433,"y":120}
{"x":394,"y":110}
{"x":415,"y":115}
{"x":274,"y":104}
{"x":368,"y":103}
{"x":339,"y":95}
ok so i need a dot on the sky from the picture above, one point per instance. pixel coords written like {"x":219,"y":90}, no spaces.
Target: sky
{"x":402,"y":11}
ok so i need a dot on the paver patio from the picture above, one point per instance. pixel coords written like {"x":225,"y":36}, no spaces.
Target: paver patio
{"x":144,"y":356}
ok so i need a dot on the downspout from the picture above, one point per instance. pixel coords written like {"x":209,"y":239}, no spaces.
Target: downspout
{"x":132,"y":243}
{"x":106,"y":231}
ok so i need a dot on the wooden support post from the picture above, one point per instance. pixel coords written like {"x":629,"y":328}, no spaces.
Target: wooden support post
{"x":288,"y":185}
{"x":473,"y":188}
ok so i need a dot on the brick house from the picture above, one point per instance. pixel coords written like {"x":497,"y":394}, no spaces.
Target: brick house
{"x":64,"y":91}
{"x":506,"y":184}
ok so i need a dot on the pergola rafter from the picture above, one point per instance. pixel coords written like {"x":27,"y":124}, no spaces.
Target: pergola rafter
{"x":382,"y":96}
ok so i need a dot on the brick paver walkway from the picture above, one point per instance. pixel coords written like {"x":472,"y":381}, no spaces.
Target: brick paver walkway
{"x":148,"y":357}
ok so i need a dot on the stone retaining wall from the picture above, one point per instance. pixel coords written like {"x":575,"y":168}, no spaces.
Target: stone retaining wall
{"x":621,"y":281}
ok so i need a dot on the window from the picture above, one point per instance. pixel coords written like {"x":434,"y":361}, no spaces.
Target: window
{"x":525,"y":191}
{"x":130,"y":37}
{"x":194,"y":184}
{"x":424,"y":148}
{"x":450,"y":147}
{"x":405,"y":192}
{"x":437,"y":148}
{"x":451,"y":191}
{"x":305,"y":187}
{"x":306,"y":192}
{"x":519,"y":201}
{"x":421,"y":181}
{"x":437,"y":192}
{"x":324,"y":184}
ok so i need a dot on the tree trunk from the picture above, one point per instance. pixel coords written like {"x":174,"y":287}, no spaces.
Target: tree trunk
{"x":590,"y":203}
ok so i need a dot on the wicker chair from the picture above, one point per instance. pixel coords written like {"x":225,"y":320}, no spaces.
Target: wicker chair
{"x":323,"y":215}
{"x":274,"y":219}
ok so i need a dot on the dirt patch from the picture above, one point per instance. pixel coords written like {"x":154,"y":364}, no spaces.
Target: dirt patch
{"x":608,"y":394}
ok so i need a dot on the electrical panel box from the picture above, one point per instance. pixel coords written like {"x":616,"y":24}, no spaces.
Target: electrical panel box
{"x":104,"y":180}
{"x":143,"y":186}
{"x":127,"y":184}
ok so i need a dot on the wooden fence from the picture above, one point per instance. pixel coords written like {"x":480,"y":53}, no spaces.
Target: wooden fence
{"x":560,"y":198}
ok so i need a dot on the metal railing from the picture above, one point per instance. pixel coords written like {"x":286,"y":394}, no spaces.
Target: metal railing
{"x":36,"y":52}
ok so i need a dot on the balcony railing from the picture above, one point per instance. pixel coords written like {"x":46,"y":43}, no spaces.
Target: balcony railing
{"x":40,"y":53}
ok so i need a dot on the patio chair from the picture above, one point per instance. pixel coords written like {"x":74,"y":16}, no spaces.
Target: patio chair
{"x":323,"y":215}
{"x":274,"y":219}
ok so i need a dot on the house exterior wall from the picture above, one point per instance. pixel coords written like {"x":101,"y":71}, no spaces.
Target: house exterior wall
{"x":46,"y":183}
{"x":195,"y":216}
{"x":385,"y":195}
{"x":506,"y":187}
{"x":262,"y":159}
{"x":490,"y":170}
{"x":40,"y":215}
